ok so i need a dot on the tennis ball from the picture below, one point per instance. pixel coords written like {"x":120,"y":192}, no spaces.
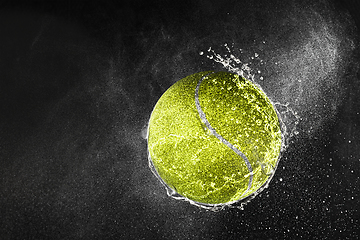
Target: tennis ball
{"x":214,"y":138}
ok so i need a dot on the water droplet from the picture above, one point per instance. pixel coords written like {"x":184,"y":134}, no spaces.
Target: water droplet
{"x":267,"y":168}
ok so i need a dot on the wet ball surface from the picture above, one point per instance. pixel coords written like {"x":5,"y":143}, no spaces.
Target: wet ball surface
{"x":195,"y":162}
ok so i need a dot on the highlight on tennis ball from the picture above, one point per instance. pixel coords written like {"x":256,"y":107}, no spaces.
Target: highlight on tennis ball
{"x":214,"y":138}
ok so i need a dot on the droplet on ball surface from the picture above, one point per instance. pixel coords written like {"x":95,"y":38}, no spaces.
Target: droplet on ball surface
{"x":214,"y":138}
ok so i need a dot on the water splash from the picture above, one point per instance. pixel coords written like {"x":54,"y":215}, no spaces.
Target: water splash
{"x":231,"y":63}
{"x":288,"y":117}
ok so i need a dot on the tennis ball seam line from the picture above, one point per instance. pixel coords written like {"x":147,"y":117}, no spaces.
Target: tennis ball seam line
{"x":218,"y":136}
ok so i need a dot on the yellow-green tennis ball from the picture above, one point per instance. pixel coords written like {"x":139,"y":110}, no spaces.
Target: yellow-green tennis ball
{"x":214,"y":137}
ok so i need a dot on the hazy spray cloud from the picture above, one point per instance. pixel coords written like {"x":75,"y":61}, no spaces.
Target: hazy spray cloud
{"x":77,"y":95}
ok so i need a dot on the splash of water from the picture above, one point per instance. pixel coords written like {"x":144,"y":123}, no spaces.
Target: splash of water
{"x":231,"y":63}
{"x":288,"y":117}
{"x":288,"y":121}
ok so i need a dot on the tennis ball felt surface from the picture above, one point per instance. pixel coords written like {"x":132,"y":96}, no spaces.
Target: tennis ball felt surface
{"x":220,"y":151}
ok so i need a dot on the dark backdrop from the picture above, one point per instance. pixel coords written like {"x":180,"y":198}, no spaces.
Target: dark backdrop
{"x":79,"y":79}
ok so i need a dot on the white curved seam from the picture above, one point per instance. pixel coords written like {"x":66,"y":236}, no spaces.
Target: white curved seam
{"x":218,"y":136}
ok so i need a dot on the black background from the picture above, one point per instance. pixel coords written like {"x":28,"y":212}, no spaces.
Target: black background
{"x":78,"y":82}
